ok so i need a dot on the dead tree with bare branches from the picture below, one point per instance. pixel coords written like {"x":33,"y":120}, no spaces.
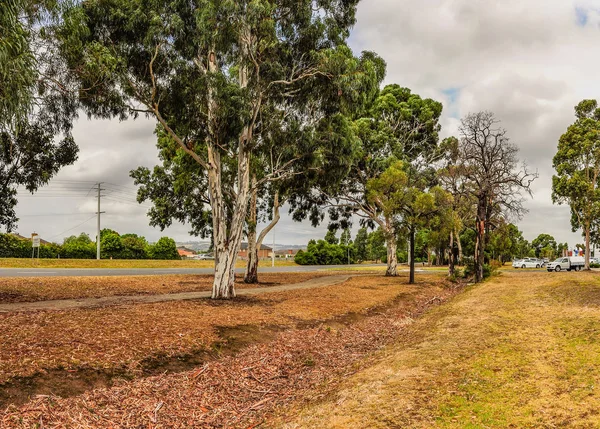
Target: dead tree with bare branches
{"x":493,"y":175}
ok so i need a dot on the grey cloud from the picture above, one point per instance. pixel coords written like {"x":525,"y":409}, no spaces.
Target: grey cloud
{"x":528,"y":61}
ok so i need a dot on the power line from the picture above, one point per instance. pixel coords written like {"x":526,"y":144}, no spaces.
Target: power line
{"x":71,"y":229}
{"x":55,"y":214}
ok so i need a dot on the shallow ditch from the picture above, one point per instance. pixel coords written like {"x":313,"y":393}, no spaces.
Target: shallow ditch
{"x":66,"y":383}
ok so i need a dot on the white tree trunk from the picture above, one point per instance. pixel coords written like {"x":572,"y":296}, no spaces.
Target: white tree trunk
{"x":587,"y":246}
{"x":251,"y":275}
{"x":459,"y":245}
{"x":392,"y":257}
{"x":228,"y":238}
{"x":451,"y":255}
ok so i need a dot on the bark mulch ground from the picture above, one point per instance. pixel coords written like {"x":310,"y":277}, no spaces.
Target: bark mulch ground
{"x":238,"y":391}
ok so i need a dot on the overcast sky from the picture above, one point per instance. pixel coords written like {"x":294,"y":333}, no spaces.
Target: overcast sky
{"x":528,"y":61}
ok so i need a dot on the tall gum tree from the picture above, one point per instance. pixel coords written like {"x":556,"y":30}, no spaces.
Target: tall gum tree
{"x":577,"y":165}
{"x":204,"y":70}
{"x":295,"y":149}
{"x":35,"y":118}
{"x":398,"y":125}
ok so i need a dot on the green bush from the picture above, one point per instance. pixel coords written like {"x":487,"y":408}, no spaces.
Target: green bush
{"x":469,"y":266}
{"x":323,"y":253}
{"x":165,"y":249}
{"x":592,"y":265}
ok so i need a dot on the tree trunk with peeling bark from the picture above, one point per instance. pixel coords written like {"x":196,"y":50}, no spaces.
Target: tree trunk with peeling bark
{"x":392,"y":257}
{"x":587,"y":246}
{"x":459,"y":245}
{"x":480,"y":239}
{"x":228,"y":238}
{"x":451,"y":255}
{"x":411,"y":239}
{"x":251,"y":275}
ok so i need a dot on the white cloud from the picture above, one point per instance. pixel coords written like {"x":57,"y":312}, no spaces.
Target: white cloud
{"x":529,"y":62}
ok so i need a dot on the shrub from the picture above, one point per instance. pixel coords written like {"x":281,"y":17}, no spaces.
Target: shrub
{"x":469,"y":263}
{"x":592,"y":265}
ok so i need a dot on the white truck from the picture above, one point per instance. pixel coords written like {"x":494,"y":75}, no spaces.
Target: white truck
{"x":567,"y":263}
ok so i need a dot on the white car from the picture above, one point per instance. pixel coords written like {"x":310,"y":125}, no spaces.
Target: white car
{"x":567,"y":263}
{"x":527,"y":263}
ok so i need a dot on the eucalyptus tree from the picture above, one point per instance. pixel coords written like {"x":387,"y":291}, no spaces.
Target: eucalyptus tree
{"x":407,"y":199}
{"x":398,"y":125}
{"x":452,"y":179}
{"x":493,"y":176}
{"x":205,"y":71}
{"x":35,"y":118}
{"x":577,"y":165}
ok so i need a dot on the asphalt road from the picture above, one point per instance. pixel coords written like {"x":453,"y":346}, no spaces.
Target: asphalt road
{"x":99,"y":272}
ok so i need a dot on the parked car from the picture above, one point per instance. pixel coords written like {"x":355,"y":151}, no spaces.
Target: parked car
{"x":567,"y":263}
{"x":204,"y":257}
{"x":527,"y":263}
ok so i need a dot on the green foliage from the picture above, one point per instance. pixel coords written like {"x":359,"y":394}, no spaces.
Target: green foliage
{"x":577,"y":165}
{"x":164,"y":249}
{"x":78,"y":247}
{"x":14,"y":247}
{"x":31,"y":113}
{"x":361,"y":245}
{"x":267,"y":80}
{"x":323,"y":252}
{"x":469,"y":267}
{"x":376,"y":246}
{"x":110,"y":245}
{"x":17,"y":62}
{"x":545,"y":246}
{"x":113,"y":245}
{"x":331,"y":238}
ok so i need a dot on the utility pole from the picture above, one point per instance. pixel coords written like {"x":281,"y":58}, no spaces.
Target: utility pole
{"x":98,"y":226}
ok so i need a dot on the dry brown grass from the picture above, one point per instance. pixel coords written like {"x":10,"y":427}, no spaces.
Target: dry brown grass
{"x":119,"y":337}
{"x":14,"y":289}
{"x":520,"y":351}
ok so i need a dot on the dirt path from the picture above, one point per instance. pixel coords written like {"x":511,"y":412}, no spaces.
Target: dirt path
{"x":69,"y":304}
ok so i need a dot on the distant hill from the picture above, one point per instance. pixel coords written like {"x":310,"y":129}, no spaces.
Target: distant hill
{"x":203,"y":246}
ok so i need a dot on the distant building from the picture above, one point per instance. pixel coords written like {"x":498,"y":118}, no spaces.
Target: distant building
{"x":184,"y":252}
{"x":287,"y":254}
{"x":20,"y":237}
{"x":263,"y":253}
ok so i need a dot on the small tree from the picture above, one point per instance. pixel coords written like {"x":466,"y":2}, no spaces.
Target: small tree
{"x":577,"y":164}
{"x":165,"y":249}
{"x":492,"y":175}
{"x":544,"y":245}
{"x":361,"y":245}
{"x":377,"y":246}
{"x":406,"y":199}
